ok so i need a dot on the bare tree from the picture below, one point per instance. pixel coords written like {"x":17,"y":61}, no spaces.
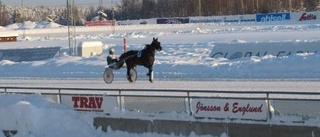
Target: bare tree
{"x":148,"y":9}
{"x":130,"y":9}
{"x":310,"y":5}
{"x":4,"y":15}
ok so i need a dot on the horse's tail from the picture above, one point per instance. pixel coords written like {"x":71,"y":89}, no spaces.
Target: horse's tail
{"x":125,"y":56}
{"x":122,"y":59}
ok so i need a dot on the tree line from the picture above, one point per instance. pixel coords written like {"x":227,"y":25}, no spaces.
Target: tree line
{"x":143,"y":9}
{"x":135,"y":9}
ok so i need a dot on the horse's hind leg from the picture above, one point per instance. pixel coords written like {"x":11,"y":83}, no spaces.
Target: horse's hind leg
{"x":129,"y":75}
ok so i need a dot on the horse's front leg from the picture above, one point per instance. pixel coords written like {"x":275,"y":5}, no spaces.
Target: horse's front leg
{"x":150,"y":74}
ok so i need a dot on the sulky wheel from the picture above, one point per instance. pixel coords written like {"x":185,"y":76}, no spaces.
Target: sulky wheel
{"x":108,"y":76}
{"x":133,"y":75}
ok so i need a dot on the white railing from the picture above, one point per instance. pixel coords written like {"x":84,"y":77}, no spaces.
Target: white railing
{"x":296,"y":105}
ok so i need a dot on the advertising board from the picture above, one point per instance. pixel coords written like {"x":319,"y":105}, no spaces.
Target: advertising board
{"x":272,"y":17}
{"x":230,"y":108}
{"x":278,"y":49}
{"x":90,"y":103}
{"x":210,"y":19}
{"x":305,"y":16}
{"x":247,"y":18}
{"x":224,"y":19}
{"x":29,"y":54}
{"x":100,"y":23}
{"x":172,"y":20}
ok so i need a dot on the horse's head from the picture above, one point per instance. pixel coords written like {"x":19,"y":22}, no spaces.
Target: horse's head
{"x":156,"y":44}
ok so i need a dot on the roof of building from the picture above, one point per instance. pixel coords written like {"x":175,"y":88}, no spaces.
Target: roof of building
{"x":9,"y":35}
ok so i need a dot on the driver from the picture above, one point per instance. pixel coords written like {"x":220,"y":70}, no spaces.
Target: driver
{"x":112,"y":58}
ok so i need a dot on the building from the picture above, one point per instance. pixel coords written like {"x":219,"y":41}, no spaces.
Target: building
{"x":8,"y":37}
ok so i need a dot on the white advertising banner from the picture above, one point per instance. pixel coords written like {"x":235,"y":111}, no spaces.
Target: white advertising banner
{"x":224,"y":19}
{"x":278,"y":49}
{"x":105,"y":104}
{"x":305,"y":16}
{"x":230,"y":108}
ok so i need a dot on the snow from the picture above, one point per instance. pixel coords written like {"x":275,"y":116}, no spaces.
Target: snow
{"x":184,"y":51}
{"x":30,"y":25}
{"x":185,"y":58}
{"x":35,"y":116}
{"x":91,"y":44}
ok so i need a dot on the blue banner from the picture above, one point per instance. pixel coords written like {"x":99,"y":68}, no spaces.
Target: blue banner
{"x":272,"y":17}
{"x":30,"y":54}
{"x":172,"y":20}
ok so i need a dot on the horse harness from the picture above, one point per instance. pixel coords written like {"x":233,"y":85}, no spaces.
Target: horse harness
{"x":139,"y":53}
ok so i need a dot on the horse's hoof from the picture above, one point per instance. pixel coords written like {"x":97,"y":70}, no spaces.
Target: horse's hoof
{"x":151,"y":81}
{"x":129,"y":79}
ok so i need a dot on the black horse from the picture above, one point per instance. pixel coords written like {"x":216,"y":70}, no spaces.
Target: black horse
{"x":144,"y":57}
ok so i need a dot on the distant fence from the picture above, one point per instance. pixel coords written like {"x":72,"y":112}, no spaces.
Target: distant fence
{"x":29,"y":54}
{"x":287,"y":107}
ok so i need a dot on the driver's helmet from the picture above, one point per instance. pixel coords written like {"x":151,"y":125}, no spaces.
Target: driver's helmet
{"x":111,"y":51}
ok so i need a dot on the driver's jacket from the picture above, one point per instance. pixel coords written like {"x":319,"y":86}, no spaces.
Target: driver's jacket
{"x":112,"y":58}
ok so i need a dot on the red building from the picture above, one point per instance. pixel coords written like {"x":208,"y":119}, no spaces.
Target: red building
{"x":8,"y":37}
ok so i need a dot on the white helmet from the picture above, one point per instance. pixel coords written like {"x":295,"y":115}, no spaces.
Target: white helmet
{"x":111,"y":51}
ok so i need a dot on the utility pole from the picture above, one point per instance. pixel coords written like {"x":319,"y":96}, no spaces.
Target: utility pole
{"x":74,"y":29}
{"x":71,"y":34}
{"x":68,"y":23}
{"x":200,"y":14}
{"x":199,"y":7}
{"x":113,"y":19}
{"x":22,"y":17}
{"x":112,"y":7}
{"x":100,"y":3}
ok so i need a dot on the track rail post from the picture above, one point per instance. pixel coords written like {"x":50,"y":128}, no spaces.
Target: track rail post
{"x":189,"y":103}
{"x":120,"y":101}
{"x":269,"y":106}
{"x":59,"y":96}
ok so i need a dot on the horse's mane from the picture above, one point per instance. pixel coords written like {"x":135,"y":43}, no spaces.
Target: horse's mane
{"x":146,"y":46}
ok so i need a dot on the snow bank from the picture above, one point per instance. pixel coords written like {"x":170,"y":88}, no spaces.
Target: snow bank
{"x":2,"y":28}
{"x":31,"y":25}
{"x":36,"y":116}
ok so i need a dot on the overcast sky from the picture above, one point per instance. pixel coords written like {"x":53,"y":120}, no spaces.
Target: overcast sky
{"x":55,"y":2}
